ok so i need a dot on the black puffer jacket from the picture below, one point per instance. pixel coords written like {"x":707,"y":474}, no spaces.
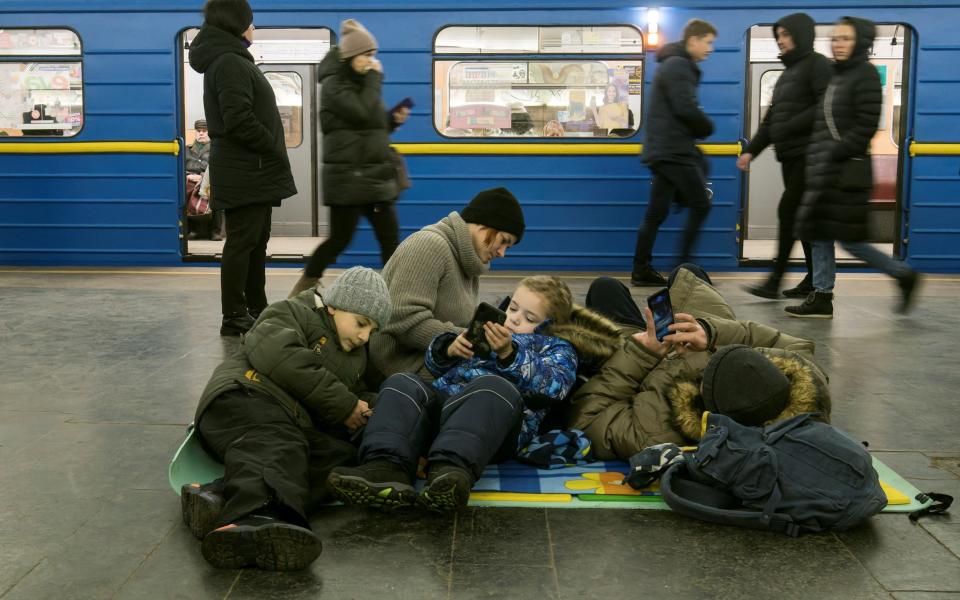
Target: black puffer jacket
{"x":675,"y":120}
{"x":839,"y":179}
{"x":789,"y":120}
{"x":248,"y":155}
{"x":357,"y":168}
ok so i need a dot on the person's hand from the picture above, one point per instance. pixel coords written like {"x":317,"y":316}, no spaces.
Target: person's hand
{"x":648,"y":338}
{"x":460,"y":347}
{"x":360,"y":415}
{"x":687,"y":334}
{"x":499,"y":338}
{"x":375,"y":65}
{"x":400,"y":115}
{"x":743,"y":162}
{"x":195,"y":177}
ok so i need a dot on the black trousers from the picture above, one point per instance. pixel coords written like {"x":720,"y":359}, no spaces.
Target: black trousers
{"x":794,"y":183}
{"x":268,"y":458}
{"x":612,"y":299}
{"x":343,"y":224}
{"x":672,"y":182}
{"x":242,"y":268}
{"x":472,"y":428}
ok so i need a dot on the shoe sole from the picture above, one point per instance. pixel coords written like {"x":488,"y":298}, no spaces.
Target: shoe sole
{"x":275,"y":547}
{"x":762,"y":294}
{"x":387,"y":496}
{"x":199,"y":509}
{"x":442,"y":497}
{"x":808,"y":316}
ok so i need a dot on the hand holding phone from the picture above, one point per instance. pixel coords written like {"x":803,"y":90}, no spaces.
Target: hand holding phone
{"x":405,"y":103}
{"x":475,"y":332}
{"x":662,"y":310}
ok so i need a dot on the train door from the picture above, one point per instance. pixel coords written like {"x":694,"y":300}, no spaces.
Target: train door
{"x":764,"y":180}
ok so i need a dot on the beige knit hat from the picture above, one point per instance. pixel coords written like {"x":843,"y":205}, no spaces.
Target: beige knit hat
{"x":355,"y":39}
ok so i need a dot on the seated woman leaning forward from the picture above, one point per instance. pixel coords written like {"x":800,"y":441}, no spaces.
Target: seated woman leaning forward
{"x":480,"y":409}
{"x":650,"y":392}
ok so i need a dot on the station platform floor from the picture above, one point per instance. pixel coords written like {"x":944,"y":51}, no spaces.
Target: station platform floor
{"x":101,"y":369}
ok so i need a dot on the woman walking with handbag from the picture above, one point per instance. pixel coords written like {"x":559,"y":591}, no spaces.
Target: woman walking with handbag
{"x":359,"y":172}
{"x":839,"y":172}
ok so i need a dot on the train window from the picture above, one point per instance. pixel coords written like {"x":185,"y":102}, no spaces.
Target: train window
{"x":288,"y":88}
{"x":596,"y":94}
{"x":41,"y":88}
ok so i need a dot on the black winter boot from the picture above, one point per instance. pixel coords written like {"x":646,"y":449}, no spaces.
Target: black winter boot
{"x":803,"y":289}
{"x":908,"y":287}
{"x":380,"y":483}
{"x":261,"y":540}
{"x":646,"y":276}
{"x":818,"y":305}
{"x":769,"y":289}
{"x":200,"y":505}
{"x":448,"y":488}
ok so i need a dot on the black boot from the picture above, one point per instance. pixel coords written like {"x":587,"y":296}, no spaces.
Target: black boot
{"x":200,"y":505}
{"x":803,"y":289}
{"x":769,"y":289}
{"x":818,"y":305}
{"x":261,"y":540}
{"x":448,"y":488}
{"x":908,"y":288}
{"x":380,"y":483}
{"x":236,"y":325}
{"x":646,"y":275}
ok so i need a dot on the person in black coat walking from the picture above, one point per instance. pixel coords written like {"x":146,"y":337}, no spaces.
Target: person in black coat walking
{"x":787,"y":125}
{"x":675,"y":122}
{"x":249,"y":168}
{"x":839,"y":172}
{"x":359,"y":172}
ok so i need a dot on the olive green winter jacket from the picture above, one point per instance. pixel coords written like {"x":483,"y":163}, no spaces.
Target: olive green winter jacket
{"x":293,"y":355}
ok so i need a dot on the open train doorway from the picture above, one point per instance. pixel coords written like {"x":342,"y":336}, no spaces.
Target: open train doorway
{"x":288,"y":58}
{"x":891,"y":56}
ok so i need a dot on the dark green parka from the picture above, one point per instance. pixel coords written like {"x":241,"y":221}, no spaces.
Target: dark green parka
{"x":248,"y":153}
{"x":357,"y":167}
{"x":293,"y":355}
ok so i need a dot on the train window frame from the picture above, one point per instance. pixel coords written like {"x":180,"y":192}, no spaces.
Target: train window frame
{"x":629,"y":66}
{"x":299,"y":107}
{"x":71,"y":60}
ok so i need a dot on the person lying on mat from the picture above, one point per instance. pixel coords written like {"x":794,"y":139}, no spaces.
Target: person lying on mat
{"x":485,"y":404}
{"x":279,"y":414}
{"x":651,"y":391}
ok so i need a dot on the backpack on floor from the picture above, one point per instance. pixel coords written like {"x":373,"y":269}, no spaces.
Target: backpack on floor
{"x":795,"y":476}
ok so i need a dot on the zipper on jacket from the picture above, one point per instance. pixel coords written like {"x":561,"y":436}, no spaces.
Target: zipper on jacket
{"x":828,"y":112}
{"x":259,"y":162}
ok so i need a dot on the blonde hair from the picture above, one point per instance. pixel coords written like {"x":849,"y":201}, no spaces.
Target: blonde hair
{"x":555,"y":291}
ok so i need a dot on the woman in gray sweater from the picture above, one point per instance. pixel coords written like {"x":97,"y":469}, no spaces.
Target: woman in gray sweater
{"x":434,"y":278}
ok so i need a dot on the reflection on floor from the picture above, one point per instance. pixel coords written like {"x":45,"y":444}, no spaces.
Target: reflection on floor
{"x":767,"y":250}
{"x":101,"y":371}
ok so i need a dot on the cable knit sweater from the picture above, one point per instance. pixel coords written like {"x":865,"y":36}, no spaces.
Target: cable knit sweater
{"x":434,"y":280}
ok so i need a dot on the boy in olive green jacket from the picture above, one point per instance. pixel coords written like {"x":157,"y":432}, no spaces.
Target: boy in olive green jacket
{"x":280,"y":414}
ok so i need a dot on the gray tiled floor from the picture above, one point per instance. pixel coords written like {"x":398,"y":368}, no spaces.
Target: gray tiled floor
{"x":101,"y":370}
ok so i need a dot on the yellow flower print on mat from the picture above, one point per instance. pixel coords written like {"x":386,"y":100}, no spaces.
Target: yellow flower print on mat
{"x":606,"y":483}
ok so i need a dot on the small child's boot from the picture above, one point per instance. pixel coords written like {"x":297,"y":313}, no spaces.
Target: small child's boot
{"x":380,"y":483}
{"x":261,"y":540}
{"x":448,"y":488}
{"x":200,"y":505}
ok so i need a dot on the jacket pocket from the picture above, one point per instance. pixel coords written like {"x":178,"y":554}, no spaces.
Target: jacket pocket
{"x":856,"y":174}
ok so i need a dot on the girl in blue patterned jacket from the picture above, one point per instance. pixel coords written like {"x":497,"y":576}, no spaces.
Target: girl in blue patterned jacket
{"x":480,"y":409}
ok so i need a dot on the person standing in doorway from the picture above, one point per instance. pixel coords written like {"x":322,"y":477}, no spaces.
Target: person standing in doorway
{"x":839,"y":172}
{"x":249,"y":168}
{"x":359,"y":174}
{"x":674,"y":124}
{"x":787,"y":125}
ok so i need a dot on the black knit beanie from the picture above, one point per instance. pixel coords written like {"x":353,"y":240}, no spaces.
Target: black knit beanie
{"x":744,"y":385}
{"x":496,"y":208}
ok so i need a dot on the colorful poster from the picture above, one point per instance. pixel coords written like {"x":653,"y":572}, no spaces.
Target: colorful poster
{"x":480,"y":116}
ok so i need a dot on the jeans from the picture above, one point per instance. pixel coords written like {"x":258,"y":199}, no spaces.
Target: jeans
{"x":825,"y":263}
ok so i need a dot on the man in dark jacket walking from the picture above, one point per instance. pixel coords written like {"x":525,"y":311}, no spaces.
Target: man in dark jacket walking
{"x":675,"y":122}
{"x":249,"y":168}
{"x":787,"y":125}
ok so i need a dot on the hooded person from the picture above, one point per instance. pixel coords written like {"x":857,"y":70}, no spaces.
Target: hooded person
{"x":434,"y":277}
{"x":787,"y":125}
{"x":359,"y":172}
{"x":644,"y":395}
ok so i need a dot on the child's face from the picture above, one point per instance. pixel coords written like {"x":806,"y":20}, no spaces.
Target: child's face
{"x":353,"y":330}
{"x":527,"y":310}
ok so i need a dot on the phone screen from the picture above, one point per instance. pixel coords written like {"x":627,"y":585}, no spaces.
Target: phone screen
{"x":659,"y":304}
{"x":475,"y":333}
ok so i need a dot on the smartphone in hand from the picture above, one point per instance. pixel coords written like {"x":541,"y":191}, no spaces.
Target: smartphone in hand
{"x":475,"y":334}
{"x":405,"y":103}
{"x":659,"y":303}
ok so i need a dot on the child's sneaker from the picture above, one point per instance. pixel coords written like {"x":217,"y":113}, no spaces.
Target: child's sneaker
{"x":380,"y":483}
{"x":200,"y":505}
{"x":447,"y":489}
{"x":261,"y":541}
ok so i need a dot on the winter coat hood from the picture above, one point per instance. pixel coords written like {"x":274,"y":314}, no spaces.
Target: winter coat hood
{"x":807,"y":394}
{"x":211,"y":43}
{"x":594,"y":337}
{"x":673,"y":49}
{"x":866,"y":33}
{"x":802,"y":29}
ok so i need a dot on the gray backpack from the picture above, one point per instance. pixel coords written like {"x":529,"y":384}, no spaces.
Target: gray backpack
{"x":795,"y":476}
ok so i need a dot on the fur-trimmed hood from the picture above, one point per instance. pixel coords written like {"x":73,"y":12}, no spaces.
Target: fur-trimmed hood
{"x":807,"y":394}
{"x":594,"y":337}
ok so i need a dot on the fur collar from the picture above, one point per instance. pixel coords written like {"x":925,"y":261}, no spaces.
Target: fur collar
{"x":806,"y":395}
{"x":594,"y":336}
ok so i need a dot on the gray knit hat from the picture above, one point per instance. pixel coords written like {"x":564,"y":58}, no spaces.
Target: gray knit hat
{"x":355,"y":39}
{"x":362,"y":291}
